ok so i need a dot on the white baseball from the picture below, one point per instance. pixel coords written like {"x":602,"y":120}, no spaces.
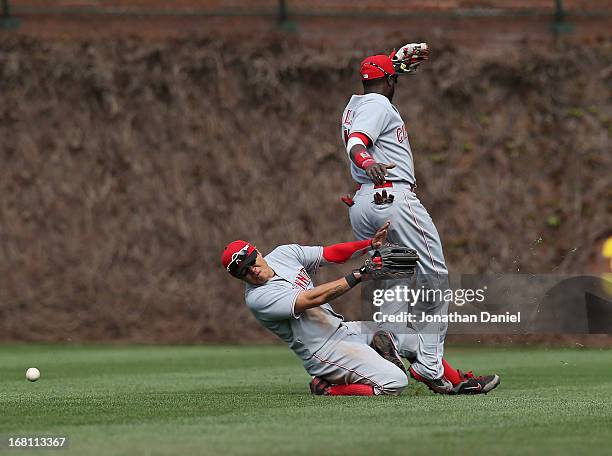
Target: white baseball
{"x":32,"y":374}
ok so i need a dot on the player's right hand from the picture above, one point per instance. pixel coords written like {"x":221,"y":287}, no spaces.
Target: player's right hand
{"x":381,"y":235}
{"x":378,"y":171}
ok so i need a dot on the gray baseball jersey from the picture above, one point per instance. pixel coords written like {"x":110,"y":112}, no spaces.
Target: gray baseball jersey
{"x":330,"y":348}
{"x":273,"y":302}
{"x":374,"y":116}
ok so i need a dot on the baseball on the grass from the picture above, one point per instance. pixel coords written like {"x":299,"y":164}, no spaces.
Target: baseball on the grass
{"x":32,"y":374}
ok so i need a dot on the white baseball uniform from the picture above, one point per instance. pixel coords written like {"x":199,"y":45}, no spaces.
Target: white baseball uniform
{"x":328,"y":346}
{"x":374,"y":116}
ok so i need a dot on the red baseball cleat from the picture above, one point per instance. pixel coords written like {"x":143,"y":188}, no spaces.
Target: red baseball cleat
{"x":475,"y":385}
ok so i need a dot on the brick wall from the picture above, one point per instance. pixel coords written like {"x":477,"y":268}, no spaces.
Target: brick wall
{"x":398,"y":6}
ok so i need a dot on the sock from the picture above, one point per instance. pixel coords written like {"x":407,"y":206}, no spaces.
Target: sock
{"x":415,"y":375}
{"x":451,"y":374}
{"x":354,"y":389}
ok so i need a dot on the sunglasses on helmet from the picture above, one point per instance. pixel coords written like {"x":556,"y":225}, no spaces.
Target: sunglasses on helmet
{"x":241,"y":261}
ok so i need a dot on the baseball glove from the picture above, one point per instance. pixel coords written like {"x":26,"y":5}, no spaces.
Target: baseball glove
{"x":407,"y":58}
{"x":391,"y":261}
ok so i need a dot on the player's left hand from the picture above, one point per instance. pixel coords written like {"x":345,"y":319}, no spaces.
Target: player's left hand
{"x":381,"y":235}
{"x":389,"y":262}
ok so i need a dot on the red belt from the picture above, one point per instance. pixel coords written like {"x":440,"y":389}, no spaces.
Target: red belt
{"x":389,"y":184}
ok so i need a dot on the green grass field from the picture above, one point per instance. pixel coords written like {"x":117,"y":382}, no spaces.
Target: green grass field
{"x":134,"y":400}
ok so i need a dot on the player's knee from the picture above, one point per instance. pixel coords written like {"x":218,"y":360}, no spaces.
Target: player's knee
{"x":401,"y":381}
{"x":397,"y":381}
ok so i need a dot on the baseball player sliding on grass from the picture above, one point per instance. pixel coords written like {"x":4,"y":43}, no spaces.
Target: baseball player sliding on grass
{"x":341,"y":360}
{"x":381,"y":163}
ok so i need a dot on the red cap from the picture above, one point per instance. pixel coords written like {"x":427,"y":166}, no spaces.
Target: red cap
{"x":376,"y":66}
{"x":237,"y":256}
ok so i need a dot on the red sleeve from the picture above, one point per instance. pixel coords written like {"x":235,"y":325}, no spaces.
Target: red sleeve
{"x":361,"y":136}
{"x":340,"y":253}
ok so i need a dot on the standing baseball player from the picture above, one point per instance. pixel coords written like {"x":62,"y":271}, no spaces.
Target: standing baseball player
{"x":381,"y":164}
{"x":342,"y":361}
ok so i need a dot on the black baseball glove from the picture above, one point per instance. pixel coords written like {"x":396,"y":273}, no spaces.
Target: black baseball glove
{"x":391,"y":261}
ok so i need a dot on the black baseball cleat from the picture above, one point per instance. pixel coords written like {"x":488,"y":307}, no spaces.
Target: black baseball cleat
{"x":319,"y":387}
{"x":440,"y":385}
{"x":383,"y":343}
{"x":475,"y":385}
